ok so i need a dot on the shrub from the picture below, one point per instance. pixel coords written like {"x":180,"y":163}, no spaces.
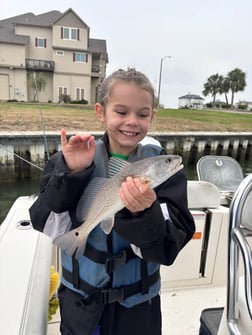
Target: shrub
{"x":82,"y":101}
{"x":226,"y":106}
{"x":66,"y":98}
{"x":243,"y":106}
{"x":12,"y":100}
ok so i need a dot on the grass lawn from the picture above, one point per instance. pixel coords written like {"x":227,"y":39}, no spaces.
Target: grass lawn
{"x":25,"y":116}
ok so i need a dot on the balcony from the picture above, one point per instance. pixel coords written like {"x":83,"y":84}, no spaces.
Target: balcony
{"x":39,"y":65}
{"x":96,"y":71}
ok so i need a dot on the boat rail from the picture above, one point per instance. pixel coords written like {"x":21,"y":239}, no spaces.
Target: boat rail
{"x":240,"y":228}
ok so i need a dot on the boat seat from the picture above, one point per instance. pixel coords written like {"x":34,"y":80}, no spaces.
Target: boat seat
{"x":202,"y":194}
{"x":223,"y":171}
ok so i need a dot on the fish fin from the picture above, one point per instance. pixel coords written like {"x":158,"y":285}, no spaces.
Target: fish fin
{"x":81,"y":248}
{"x":88,"y":197}
{"x":116,"y":164}
{"x":71,"y":243}
{"x":107,"y":225}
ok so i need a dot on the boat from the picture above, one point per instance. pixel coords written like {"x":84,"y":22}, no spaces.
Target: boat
{"x":206,"y":291}
{"x":25,"y":260}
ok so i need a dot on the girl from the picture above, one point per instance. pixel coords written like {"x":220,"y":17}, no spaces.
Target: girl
{"x":113,"y":289}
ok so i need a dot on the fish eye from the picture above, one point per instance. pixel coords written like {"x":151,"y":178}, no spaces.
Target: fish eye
{"x":168,"y":160}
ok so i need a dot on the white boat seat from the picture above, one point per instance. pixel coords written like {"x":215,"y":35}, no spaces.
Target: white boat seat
{"x":223,"y":171}
{"x":202,"y":194}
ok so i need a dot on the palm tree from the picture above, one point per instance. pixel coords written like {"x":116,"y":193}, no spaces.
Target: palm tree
{"x":37,"y":82}
{"x":225,"y":87}
{"x":213,"y":86}
{"x":237,"y":81}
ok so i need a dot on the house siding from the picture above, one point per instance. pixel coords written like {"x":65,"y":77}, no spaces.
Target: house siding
{"x":12,"y":55}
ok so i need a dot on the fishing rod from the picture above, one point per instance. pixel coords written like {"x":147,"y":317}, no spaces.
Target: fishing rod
{"x":44,"y":135}
{"x":22,"y":158}
{"x":46,"y":146}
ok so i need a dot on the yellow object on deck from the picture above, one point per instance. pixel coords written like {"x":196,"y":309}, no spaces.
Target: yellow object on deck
{"x":53,"y":299}
{"x":54,"y":282}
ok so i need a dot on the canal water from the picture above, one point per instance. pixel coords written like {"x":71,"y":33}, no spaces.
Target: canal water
{"x":26,"y":182}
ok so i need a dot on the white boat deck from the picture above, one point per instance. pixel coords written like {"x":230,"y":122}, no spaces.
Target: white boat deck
{"x":181,"y":309}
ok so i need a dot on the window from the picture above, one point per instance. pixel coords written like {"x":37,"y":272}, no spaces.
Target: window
{"x":80,"y":93}
{"x":80,"y":57}
{"x":59,"y":53}
{"x":62,"y":93}
{"x":40,"y":42}
{"x":70,"y":33}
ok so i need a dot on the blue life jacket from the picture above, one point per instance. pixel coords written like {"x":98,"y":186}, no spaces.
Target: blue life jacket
{"x":112,"y":271}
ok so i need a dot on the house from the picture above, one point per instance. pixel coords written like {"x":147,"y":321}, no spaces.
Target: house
{"x":191,"y":101}
{"x":58,"y":46}
{"x":243,"y":104}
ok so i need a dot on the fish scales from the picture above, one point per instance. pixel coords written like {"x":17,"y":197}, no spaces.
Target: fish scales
{"x":107,"y":202}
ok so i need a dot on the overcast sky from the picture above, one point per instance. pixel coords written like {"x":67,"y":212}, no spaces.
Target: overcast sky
{"x":203,"y":37}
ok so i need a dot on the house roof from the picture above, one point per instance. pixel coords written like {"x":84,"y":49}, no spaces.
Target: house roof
{"x":191,"y":96}
{"x":66,"y":12}
{"x":7,"y":26}
{"x":7,"y":29}
{"x":42,"y":20}
{"x":244,"y":102}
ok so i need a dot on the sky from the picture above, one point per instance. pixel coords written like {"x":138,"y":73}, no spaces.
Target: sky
{"x":194,"y":38}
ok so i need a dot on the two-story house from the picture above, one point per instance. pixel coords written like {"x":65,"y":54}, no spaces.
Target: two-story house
{"x":56,"y":45}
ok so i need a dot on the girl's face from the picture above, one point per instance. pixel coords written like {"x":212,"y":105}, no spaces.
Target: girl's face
{"x":126,"y":117}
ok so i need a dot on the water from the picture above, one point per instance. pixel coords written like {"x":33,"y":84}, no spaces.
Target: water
{"x":11,"y":191}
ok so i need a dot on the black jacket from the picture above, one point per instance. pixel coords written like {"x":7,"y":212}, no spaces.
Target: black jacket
{"x":159,"y":239}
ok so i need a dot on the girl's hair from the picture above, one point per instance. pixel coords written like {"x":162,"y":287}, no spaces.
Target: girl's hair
{"x":131,"y":75}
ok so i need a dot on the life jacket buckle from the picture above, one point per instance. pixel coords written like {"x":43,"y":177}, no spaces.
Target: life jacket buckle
{"x":112,"y":295}
{"x":115,"y":261}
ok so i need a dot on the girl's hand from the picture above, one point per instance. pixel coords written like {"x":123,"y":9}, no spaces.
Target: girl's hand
{"x":79,"y":151}
{"x":136,"y":195}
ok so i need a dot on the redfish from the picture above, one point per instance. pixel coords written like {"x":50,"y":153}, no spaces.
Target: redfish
{"x":107,"y":202}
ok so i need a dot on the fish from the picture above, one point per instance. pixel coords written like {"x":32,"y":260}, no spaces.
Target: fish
{"x":107,"y":202}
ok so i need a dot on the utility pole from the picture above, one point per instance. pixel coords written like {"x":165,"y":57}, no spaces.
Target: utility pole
{"x":160,"y":79}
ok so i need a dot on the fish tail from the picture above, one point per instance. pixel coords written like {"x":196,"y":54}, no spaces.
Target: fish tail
{"x":71,"y":243}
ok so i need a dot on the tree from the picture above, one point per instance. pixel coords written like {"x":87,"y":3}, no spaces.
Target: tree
{"x":237,"y":82}
{"x":37,"y":82}
{"x":213,"y":86}
{"x":225,"y":87}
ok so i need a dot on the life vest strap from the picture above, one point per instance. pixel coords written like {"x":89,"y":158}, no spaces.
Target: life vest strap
{"x":111,"y":261}
{"x":75,"y":273}
{"x":110,"y":295}
{"x":144,"y":277}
